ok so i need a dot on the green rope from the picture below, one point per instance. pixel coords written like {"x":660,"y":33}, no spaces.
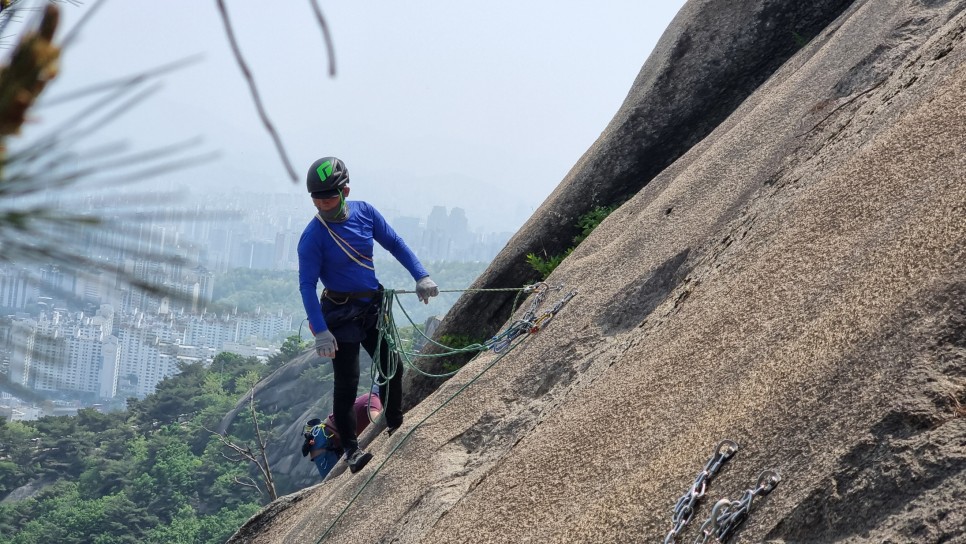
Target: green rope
{"x":489,"y":290}
{"x":390,"y":332}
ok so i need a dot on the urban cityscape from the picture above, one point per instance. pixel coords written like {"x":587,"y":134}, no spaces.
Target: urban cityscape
{"x":91,"y":337}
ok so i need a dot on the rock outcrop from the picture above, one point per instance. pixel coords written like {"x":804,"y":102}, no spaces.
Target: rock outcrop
{"x":795,"y":282}
{"x":713,"y":55}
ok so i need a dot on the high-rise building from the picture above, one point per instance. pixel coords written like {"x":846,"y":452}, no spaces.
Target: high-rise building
{"x":14,"y":287}
{"x":64,"y":353}
{"x":39,"y":359}
{"x":85,"y":358}
{"x":96,"y":286}
{"x":143,"y":360}
{"x":111,"y":368}
{"x":209,"y":330}
{"x":262,"y":326}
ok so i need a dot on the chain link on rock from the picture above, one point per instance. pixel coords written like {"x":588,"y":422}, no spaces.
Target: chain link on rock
{"x":727,"y":515}
{"x":685,"y":507}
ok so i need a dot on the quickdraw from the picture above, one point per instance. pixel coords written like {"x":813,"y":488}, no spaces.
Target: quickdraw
{"x":529,"y":323}
{"x":548,"y":316}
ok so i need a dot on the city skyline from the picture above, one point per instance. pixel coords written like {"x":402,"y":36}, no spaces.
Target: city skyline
{"x":92,"y":332}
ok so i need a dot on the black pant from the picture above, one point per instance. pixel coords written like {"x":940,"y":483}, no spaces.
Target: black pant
{"x":345,"y":366}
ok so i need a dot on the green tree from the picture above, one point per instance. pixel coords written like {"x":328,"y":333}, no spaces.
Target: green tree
{"x":233,"y":367}
{"x":292,"y":347}
{"x":174,"y":470}
{"x":17,"y":450}
{"x":587,"y":222}
{"x":134,"y":479}
{"x":63,"y":446}
{"x":188,"y":527}
{"x":183,"y":529}
{"x":174,"y":396}
{"x":62,"y":515}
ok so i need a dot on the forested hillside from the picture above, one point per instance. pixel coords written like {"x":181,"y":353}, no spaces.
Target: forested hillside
{"x":151,"y":473}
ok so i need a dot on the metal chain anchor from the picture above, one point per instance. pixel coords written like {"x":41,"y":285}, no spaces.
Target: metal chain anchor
{"x":684,"y":509}
{"x":728,"y":515}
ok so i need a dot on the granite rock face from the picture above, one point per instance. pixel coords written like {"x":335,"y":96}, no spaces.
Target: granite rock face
{"x":710,"y":59}
{"x":795,"y":282}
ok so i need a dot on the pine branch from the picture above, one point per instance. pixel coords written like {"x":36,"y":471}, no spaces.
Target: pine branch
{"x":240,"y":59}
{"x":262,"y":446}
{"x":245,"y":452}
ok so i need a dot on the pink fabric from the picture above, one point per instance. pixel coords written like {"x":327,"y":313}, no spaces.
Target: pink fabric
{"x":362,"y":405}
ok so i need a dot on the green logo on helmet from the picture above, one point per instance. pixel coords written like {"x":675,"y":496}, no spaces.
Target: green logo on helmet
{"x":324,"y":170}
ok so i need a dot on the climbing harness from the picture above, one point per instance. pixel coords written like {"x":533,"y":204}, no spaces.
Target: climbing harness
{"x":728,"y":515}
{"x":685,"y":507}
{"x":340,"y":298}
{"x":535,"y":323}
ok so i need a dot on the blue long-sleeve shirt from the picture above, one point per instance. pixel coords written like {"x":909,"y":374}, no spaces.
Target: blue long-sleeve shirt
{"x":321,"y":259}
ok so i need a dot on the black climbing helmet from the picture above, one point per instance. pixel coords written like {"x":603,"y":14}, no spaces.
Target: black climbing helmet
{"x":311,"y":424}
{"x":326,"y":177}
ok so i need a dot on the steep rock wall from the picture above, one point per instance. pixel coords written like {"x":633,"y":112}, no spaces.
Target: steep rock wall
{"x":713,"y":55}
{"x":795,"y":282}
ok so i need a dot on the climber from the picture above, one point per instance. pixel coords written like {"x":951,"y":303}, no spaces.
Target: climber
{"x":322,"y":444}
{"x":337,"y":247}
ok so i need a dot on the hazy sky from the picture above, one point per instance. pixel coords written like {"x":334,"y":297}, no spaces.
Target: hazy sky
{"x":483,"y":106}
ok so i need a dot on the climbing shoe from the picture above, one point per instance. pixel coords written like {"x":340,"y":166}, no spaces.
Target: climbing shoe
{"x":357,"y":460}
{"x":391,"y":430}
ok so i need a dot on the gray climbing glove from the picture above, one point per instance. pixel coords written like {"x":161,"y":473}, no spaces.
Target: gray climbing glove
{"x":325,"y":344}
{"x":426,"y":288}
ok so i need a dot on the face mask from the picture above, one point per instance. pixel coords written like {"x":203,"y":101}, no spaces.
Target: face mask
{"x":338,"y":214}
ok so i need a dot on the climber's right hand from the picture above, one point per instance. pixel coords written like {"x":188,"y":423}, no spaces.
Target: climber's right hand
{"x":325,"y":344}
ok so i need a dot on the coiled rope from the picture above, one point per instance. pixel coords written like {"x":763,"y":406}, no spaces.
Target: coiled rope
{"x":389,"y":331}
